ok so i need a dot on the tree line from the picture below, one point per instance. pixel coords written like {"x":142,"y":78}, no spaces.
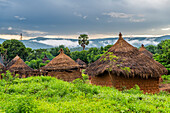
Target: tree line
{"x":33,"y":57}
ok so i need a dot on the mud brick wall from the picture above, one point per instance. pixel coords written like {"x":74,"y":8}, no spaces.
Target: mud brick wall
{"x":103,"y":80}
{"x":66,"y":76}
{"x":150,"y":85}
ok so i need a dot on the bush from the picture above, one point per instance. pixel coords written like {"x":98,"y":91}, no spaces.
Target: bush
{"x":49,"y":95}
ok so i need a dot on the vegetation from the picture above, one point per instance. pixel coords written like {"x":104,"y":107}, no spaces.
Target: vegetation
{"x":83,"y":40}
{"x":47,"y":94}
{"x":13,"y":48}
{"x":10,"y":48}
{"x":163,"y":54}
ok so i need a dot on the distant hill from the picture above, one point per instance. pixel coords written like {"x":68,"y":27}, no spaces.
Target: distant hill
{"x":41,"y":42}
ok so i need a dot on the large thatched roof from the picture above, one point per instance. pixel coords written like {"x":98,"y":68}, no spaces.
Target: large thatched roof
{"x":145,"y":51}
{"x":61,"y":62}
{"x":20,"y":65}
{"x":129,"y":61}
{"x":81,"y":63}
{"x":12,"y":61}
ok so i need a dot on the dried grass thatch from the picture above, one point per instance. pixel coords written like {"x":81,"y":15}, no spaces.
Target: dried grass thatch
{"x":145,"y":51}
{"x":61,"y":62}
{"x":20,"y":65}
{"x":130,"y":57}
{"x":81,"y":63}
{"x":12,"y":61}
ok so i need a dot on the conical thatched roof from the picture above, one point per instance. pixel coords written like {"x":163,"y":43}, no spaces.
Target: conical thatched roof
{"x":12,"y":61}
{"x":145,"y":51}
{"x":80,"y":62}
{"x":61,"y":62}
{"x":129,"y":61}
{"x":20,"y":65}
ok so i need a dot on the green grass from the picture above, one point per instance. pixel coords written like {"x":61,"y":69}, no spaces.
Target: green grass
{"x":49,"y":95}
{"x":166,"y":79}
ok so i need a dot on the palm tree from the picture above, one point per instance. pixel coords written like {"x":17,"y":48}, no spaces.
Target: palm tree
{"x":83,"y":40}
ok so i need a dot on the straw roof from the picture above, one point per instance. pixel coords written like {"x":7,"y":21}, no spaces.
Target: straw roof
{"x":145,"y":51}
{"x":61,"y":62}
{"x":129,"y":62}
{"x":12,"y":61}
{"x":20,"y":65}
{"x":80,"y":62}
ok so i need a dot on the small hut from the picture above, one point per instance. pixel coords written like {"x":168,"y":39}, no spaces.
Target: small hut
{"x":81,"y":63}
{"x":45,"y":59}
{"x":18,"y":66}
{"x":145,"y":51}
{"x":63,"y":67}
{"x":128,"y":68}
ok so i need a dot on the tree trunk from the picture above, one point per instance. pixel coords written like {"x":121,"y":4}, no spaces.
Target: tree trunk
{"x":112,"y":80}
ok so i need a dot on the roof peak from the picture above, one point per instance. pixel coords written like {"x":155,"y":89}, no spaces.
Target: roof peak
{"x":142,"y":45}
{"x":61,"y":51}
{"x":120,"y":35}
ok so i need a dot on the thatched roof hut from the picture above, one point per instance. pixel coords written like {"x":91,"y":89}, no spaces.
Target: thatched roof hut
{"x":81,"y":63}
{"x":124,"y":66}
{"x":61,"y":62}
{"x":12,"y":61}
{"x":145,"y":51}
{"x":19,"y":65}
{"x":63,"y":67}
{"x":128,"y":56}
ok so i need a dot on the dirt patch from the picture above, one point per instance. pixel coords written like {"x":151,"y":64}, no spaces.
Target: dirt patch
{"x":164,"y":87}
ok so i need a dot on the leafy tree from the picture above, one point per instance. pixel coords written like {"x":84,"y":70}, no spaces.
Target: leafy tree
{"x":48,"y":54}
{"x":83,"y":40}
{"x":107,"y":47}
{"x":151,"y":48}
{"x":80,"y":54}
{"x":55,"y":51}
{"x":15,"y":47}
{"x":163,"y":54}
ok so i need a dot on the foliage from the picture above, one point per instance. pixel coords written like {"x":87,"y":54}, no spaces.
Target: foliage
{"x":49,"y":95}
{"x":15,"y":47}
{"x":151,"y":48}
{"x":36,"y":64}
{"x":83,"y":40}
{"x":55,"y":51}
{"x":8,"y":79}
{"x":163,"y":54}
{"x":134,"y":90}
{"x":166,"y":79}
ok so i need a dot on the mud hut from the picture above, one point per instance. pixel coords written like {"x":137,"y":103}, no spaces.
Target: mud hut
{"x":45,"y":58}
{"x":128,"y":67}
{"x":81,"y":63}
{"x":63,"y":67}
{"x":145,"y":51}
{"x":18,"y":66}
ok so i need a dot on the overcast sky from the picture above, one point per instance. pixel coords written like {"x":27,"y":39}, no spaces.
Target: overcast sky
{"x":97,"y":18}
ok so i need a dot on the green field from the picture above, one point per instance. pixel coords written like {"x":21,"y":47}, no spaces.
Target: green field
{"x":49,"y":95}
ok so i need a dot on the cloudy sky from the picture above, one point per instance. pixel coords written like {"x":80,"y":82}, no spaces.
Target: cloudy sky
{"x":97,"y":18}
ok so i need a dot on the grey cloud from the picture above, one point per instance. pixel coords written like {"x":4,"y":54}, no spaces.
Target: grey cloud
{"x":72,"y":16}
